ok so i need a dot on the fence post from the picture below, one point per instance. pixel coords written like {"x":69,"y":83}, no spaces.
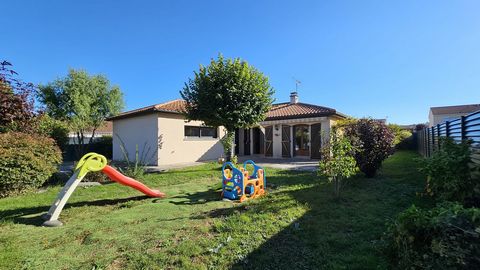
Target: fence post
{"x":438,"y":136}
{"x":462,"y":127}
{"x":425,"y":140}
{"x":447,"y":129}
{"x":433,"y":140}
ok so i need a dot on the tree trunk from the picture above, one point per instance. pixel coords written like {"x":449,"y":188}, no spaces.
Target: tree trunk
{"x":229,"y":145}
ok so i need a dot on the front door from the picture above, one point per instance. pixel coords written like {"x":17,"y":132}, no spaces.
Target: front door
{"x":286,"y":141}
{"x":246,"y":142}
{"x":316,"y":141}
{"x":268,"y":141}
{"x":302,"y":140}
{"x":257,"y":141}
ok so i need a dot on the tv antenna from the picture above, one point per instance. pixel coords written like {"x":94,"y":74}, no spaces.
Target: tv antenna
{"x":297,"y":83}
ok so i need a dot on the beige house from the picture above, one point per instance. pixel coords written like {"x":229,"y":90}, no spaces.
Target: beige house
{"x":439,"y":115}
{"x":291,"y":129}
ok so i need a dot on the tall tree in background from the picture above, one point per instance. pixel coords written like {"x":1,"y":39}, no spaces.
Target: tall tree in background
{"x":229,"y":93}
{"x":84,"y":101}
{"x":16,"y":101}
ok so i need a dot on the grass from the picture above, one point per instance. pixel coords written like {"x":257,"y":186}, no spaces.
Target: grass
{"x":299,"y":224}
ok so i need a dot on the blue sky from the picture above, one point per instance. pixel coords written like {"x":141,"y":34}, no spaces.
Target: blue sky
{"x":381,"y":59}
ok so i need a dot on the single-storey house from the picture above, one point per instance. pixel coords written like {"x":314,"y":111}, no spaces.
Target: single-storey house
{"x":439,"y":115}
{"x":291,"y":129}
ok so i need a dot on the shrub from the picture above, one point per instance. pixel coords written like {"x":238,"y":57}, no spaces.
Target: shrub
{"x":337,"y":160}
{"x":402,"y":138}
{"x":17,"y":109}
{"x":137,"y":168}
{"x":373,"y":141}
{"x":99,"y":177}
{"x":55,"y":129}
{"x":445,"y":237}
{"x":399,"y":134}
{"x":450,"y":175}
{"x":102,"y":145}
{"x":26,"y":162}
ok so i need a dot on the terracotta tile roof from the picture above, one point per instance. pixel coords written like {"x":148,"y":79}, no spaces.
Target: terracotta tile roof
{"x":107,"y":127}
{"x":456,"y":109}
{"x":277,"y":112}
{"x":298,"y":110}
{"x":175,"y":106}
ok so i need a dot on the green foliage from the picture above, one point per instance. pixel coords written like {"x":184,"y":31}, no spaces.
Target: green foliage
{"x":338,"y":160}
{"x":228,"y":93}
{"x":53,"y":128}
{"x":445,"y":237}
{"x":26,"y":162}
{"x":84,"y":101}
{"x":137,"y":167}
{"x":373,"y":141}
{"x":227,"y":142}
{"x":193,"y":228}
{"x":450,"y":175}
{"x":16,"y":99}
{"x":103,"y":146}
{"x":399,"y":134}
{"x":99,"y":177}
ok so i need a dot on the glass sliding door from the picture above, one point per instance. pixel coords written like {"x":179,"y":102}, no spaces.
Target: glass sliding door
{"x":302,"y":140}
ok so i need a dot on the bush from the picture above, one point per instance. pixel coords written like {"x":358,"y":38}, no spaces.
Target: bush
{"x":399,"y":134}
{"x":17,"y":101}
{"x":55,"y":129}
{"x":373,"y":141}
{"x":450,"y":175}
{"x":445,"y":237}
{"x":26,"y":162}
{"x":103,"y":146}
{"x":337,"y":160}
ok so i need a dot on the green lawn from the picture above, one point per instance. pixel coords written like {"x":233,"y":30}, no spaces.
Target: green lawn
{"x":299,"y":224}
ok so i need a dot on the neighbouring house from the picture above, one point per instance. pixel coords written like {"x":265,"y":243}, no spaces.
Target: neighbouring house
{"x":439,"y":115}
{"x":291,"y":129}
{"x":105,"y":130}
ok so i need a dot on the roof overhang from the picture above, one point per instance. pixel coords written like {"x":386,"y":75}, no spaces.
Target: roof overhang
{"x":136,"y":114}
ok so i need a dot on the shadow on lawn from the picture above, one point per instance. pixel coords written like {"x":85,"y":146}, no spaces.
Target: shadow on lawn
{"x":19,"y":215}
{"x":338,"y":233}
{"x":202,"y":197}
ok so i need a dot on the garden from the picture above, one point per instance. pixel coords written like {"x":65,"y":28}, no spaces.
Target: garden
{"x":371,"y":204}
{"x":300,"y":223}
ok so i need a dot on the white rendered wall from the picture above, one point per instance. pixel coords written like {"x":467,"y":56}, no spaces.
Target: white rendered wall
{"x":176,"y":148}
{"x":141,"y":131}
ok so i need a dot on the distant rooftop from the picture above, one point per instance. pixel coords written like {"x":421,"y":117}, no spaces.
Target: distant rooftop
{"x":458,"y":109}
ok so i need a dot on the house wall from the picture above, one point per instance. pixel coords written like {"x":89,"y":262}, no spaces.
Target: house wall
{"x":434,"y":119}
{"x":176,"y":148}
{"x":326,"y":123}
{"x":141,"y":131}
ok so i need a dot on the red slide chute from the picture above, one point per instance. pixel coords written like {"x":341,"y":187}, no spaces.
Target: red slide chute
{"x":114,"y":175}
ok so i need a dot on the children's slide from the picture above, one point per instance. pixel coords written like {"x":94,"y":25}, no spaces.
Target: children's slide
{"x":116,"y":176}
{"x":91,"y":162}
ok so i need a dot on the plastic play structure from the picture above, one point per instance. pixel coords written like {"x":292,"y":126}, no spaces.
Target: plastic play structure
{"x":237,"y":184}
{"x":91,"y":162}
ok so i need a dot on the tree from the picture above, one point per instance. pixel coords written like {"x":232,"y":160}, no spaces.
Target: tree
{"x":228,"y":93}
{"x":338,"y":160}
{"x":373,"y":140}
{"x":53,"y":128}
{"x":399,"y":133}
{"x":84,"y":101}
{"x":16,"y":99}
